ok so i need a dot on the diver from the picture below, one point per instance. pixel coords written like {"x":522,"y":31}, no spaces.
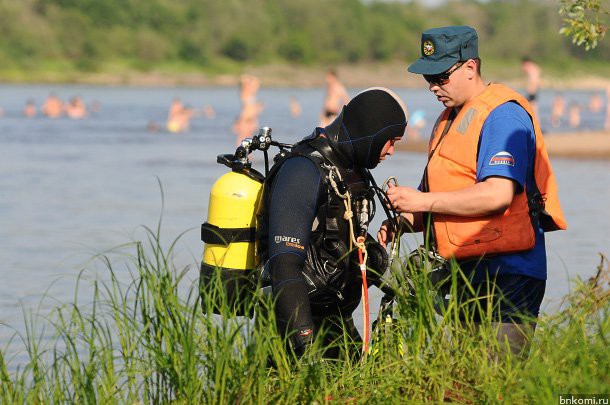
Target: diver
{"x":318,"y":200}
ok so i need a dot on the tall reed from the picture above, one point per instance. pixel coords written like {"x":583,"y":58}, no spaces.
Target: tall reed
{"x":147,"y":340}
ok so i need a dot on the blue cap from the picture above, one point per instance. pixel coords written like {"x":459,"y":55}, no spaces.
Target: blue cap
{"x":443,"y":47}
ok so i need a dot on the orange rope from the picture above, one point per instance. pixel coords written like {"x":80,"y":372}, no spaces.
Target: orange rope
{"x":365,"y":298}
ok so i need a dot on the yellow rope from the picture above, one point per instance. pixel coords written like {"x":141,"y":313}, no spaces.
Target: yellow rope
{"x":358,"y":242}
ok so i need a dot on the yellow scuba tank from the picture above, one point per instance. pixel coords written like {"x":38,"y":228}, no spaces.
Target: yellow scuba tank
{"x":229,"y":255}
{"x":232,"y":222}
{"x":229,"y":236}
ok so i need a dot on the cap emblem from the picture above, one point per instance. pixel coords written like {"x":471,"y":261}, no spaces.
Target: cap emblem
{"x":428,"y":48}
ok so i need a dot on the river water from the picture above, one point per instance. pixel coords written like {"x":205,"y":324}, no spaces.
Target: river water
{"x":70,"y":189}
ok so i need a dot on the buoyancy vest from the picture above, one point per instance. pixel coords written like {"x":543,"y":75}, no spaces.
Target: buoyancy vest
{"x":452,"y":166}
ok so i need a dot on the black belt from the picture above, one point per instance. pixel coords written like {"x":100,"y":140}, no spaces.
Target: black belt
{"x":215,"y":235}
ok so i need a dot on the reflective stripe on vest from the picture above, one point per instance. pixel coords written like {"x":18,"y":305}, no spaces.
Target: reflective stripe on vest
{"x":453,"y":167}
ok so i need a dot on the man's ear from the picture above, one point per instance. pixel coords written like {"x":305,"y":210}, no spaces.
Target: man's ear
{"x":471,"y":68}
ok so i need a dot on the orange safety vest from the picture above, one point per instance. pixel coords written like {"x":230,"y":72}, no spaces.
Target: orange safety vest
{"x":452,"y":166}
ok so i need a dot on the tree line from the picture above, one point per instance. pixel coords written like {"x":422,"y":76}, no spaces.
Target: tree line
{"x":95,"y":35}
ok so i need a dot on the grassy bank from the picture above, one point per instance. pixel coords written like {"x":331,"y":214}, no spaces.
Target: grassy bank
{"x":147,"y":341}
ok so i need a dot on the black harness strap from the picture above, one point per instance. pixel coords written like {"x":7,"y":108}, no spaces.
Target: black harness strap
{"x":535,"y":203}
{"x":215,"y":235}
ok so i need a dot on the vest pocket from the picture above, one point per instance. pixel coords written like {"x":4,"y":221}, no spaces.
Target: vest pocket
{"x":466,"y":238}
{"x":463,"y":232}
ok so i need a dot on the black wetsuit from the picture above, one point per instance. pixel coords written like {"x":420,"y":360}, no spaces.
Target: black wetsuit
{"x":300,"y":214}
{"x":295,"y":204}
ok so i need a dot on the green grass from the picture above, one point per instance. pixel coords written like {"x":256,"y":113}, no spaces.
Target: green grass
{"x":148,"y":341}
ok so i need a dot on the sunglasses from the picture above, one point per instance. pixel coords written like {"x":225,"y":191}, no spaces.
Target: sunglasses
{"x":442,"y":78}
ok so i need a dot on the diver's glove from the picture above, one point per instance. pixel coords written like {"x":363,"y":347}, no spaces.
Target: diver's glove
{"x":302,"y":341}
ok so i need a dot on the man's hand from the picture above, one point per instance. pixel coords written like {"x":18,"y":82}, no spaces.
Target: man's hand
{"x":407,"y":199}
{"x":407,"y":223}
{"x":491,"y":196}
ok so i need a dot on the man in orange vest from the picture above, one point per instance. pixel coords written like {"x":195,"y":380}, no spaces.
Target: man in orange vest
{"x":488,"y":192}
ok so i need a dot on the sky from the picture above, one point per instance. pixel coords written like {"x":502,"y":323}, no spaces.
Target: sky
{"x":432,"y":2}
{"x":429,"y":3}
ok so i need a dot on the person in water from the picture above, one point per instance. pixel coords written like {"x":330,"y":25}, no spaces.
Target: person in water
{"x":179,"y":117}
{"x":311,"y":257}
{"x":53,"y":107}
{"x":488,"y":192}
{"x":532,"y":72}
{"x":246,"y":123}
{"x":295,"y":107}
{"x":558,"y":109}
{"x":29,"y":110}
{"x":334,"y":100}
{"x":76,"y":108}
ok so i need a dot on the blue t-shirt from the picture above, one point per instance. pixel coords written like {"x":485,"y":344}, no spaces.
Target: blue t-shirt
{"x":507,"y":147}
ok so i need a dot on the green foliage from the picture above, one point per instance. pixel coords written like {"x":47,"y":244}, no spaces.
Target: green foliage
{"x":192,"y":50}
{"x":297,"y":48}
{"x":240,"y":47}
{"x":92,"y":34}
{"x":582,"y":21}
{"x":150,"y":47}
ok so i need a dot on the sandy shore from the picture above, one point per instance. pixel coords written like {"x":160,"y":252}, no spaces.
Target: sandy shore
{"x":575,"y":145}
{"x":391,"y":74}
{"x":580,"y":145}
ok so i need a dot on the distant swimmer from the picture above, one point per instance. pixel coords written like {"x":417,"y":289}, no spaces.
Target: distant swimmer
{"x":247,"y":121}
{"x":30,"y":109}
{"x":179,"y":117}
{"x":533,"y":73}
{"x":336,"y":97}
{"x":53,"y":107}
{"x":184,"y":118}
{"x":76,"y":108}
{"x":174,"y":119}
{"x":295,"y":107}
{"x":174,"y":109}
{"x":595,"y":103}
{"x":574,"y":115}
{"x":558,"y":108}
